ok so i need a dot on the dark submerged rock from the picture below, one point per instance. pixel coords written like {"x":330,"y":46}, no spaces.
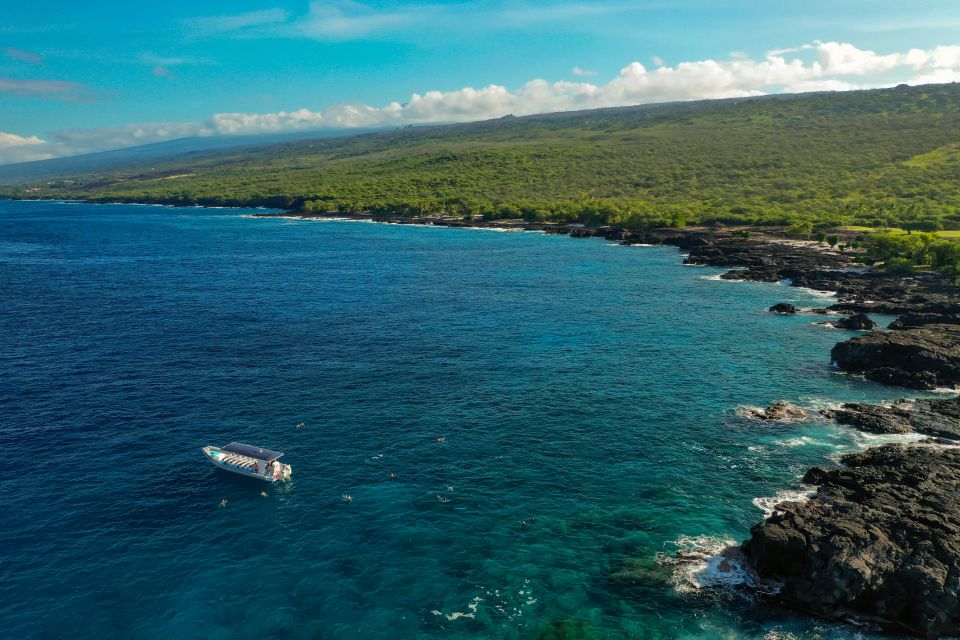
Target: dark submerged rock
{"x":880,"y":540}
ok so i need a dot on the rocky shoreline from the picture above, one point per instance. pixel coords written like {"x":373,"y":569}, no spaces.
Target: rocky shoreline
{"x":880,"y":540}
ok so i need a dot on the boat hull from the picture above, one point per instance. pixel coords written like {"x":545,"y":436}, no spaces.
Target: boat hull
{"x":216,"y":456}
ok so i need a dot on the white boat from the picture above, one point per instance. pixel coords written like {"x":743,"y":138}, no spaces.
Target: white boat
{"x":248,"y":460}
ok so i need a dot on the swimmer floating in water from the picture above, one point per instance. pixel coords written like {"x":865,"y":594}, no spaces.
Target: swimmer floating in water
{"x":263,"y":493}
{"x":223,"y":502}
{"x":299,"y":425}
{"x":379,"y":456}
{"x":392,"y":475}
{"x":442,"y":439}
{"x":442,"y":498}
{"x":347,"y":498}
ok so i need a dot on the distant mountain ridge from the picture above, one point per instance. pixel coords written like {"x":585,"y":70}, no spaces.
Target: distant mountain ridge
{"x":113,"y":158}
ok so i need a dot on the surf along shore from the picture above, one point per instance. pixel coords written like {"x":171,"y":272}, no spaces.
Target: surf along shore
{"x":880,"y":538}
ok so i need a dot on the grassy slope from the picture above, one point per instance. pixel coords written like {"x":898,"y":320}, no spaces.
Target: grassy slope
{"x":874,"y":157}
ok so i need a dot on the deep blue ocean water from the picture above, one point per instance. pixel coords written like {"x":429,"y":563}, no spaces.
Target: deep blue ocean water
{"x":591,"y":386}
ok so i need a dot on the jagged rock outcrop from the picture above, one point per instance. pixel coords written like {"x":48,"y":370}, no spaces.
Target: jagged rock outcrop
{"x":880,"y":540}
{"x":780,"y":411}
{"x":921,"y":358}
{"x":857,"y":322}
{"x":940,"y":418}
{"x":908,"y":320}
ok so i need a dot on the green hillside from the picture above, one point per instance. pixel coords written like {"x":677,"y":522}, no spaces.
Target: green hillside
{"x":871,"y":158}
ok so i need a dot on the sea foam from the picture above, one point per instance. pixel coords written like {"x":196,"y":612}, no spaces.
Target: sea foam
{"x":707,"y":563}
{"x":768,"y":504}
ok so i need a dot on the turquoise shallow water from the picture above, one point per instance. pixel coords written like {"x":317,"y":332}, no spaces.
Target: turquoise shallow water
{"x":591,"y":386}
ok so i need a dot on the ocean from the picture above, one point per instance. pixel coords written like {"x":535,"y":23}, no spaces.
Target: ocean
{"x":453,"y":382}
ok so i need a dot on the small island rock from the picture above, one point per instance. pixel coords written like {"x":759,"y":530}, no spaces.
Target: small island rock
{"x":783,"y":307}
{"x":780,"y":411}
{"x":857,"y":322}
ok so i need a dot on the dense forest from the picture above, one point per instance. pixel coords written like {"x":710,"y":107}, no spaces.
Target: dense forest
{"x":879,"y":158}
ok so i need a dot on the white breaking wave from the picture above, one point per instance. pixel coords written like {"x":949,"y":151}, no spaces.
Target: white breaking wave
{"x":799,"y":442}
{"x":707,"y":563}
{"x":819,"y":294}
{"x":753,"y":412}
{"x":768,"y":504}
{"x":875,"y":439}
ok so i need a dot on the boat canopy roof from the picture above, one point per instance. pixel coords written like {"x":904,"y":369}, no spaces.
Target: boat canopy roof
{"x":251,"y":451}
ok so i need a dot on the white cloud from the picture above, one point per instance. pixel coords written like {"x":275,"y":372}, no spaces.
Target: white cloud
{"x":324,"y":20}
{"x":829,"y":66}
{"x":353,"y":19}
{"x":347,"y":20}
{"x":213,"y":25}
{"x":14,"y":148}
{"x":842,"y":58}
{"x":525,"y":13}
{"x":579,"y":71}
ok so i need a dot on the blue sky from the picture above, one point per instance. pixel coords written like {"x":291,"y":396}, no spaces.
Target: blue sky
{"x":78,"y":77}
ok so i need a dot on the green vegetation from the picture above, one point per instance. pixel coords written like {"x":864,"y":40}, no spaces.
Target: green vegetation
{"x":904,"y":253}
{"x":868,"y":159}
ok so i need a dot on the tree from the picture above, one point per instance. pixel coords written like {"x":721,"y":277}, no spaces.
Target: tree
{"x":801,"y":229}
{"x":833,"y":240}
{"x":900,"y":266}
{"x":821,"y":237}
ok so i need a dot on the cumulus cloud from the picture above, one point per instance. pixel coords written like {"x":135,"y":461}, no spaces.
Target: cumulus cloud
{"x":14,"y":148}
{"x":821,"y":66}
{"x":47,"y":89}
{"x":30,"y":57}
{"x":579,"y":71}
